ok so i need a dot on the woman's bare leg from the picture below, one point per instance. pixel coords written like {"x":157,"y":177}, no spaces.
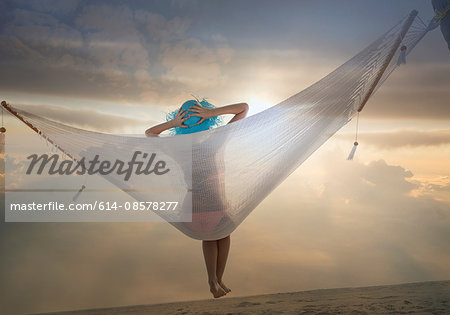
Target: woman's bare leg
{"x":223,"y":246}
{"x":210,"y":252}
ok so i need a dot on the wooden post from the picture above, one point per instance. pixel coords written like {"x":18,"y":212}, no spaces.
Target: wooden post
{"x":17,"y":115}
{"x":389,"y":57}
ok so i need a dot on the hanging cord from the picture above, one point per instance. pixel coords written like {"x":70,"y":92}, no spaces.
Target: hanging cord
{"x":402,"y":56}
{"x":75,"y":197}
{"x":355,"y":144}
{"x":2,"y":128}
{"x":83,"y":186}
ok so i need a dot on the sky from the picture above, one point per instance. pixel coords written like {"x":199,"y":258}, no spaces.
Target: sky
{"x":119,"y":67}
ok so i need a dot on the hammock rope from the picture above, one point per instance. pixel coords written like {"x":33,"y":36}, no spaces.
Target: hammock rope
{"x":441,"y":15}
{"x":235,"y":166}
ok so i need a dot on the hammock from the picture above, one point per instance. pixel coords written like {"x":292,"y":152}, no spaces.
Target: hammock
{"x":235,"y":166}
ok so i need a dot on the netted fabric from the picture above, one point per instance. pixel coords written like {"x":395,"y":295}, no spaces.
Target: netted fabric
{"x":235,"y":166}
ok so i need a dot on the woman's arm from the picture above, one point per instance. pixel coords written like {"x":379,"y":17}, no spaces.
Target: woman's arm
{"x":156,"y":130}
{"x":178,"y":121}
{"x":239,"y":110}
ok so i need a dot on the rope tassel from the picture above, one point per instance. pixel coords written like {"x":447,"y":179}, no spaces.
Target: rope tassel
{"x":352,"y":152}
{"x":355,"y":144}
{"x":78,"y":193}
{"x":402,"y":57}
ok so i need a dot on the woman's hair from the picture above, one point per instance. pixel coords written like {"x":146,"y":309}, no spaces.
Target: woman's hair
{"x":205,"y":125}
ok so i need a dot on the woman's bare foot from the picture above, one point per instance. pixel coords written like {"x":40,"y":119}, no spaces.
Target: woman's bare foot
{"x":216,"y":289}
{"x":224,"y":287}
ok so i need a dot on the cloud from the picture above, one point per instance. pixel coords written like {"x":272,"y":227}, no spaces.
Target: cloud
{"x":325,"y":226}
{"x":161,"y":29}
{"x":418,"y":91}
{"x":194,"y":64}
{"x":358,"y":217}
{"x":15,"y":168}
{"x":111,"y":37}
{"x":438,"y":189}
{"x":403,"y":138}
{"x":115,"y":51}
{"x":183,"y":3}
{"x":107,"y":51}
{"x":42,"y":31}
{"x":51,"y":6}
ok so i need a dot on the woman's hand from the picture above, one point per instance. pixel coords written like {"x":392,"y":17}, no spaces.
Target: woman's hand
{"x":177,"y":121}
{"x":202,"y":112}
{"x":180,"y":118}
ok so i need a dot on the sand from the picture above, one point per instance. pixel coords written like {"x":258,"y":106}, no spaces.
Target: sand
{"x":411,"y":298}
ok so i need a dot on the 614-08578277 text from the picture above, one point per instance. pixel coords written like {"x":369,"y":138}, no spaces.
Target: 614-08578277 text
{"x":96,"y":206}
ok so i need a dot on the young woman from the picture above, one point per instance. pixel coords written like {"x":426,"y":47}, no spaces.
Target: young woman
{"x":215,"y":252}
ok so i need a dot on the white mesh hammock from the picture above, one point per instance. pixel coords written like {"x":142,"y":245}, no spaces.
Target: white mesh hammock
{"x":235,"y":166}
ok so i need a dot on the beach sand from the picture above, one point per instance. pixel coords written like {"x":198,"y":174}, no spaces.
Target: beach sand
{"x":411,"y":298}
